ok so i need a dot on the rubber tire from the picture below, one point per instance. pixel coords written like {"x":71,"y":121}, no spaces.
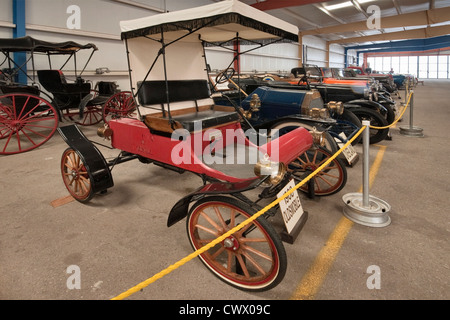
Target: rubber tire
{"x":390,"y":114}
{"x":325,"y":155}
{"x":349,"y":116}
{"x":376,"y":119}
{"x":276,"y":243}
{"x":85,"y":197}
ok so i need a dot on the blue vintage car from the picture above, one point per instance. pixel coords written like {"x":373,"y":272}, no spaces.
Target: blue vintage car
{"x":283,"y":109}
{"x":399,"y":80}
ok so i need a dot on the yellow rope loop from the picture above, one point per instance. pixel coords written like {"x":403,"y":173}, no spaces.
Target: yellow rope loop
{"x":398,"y":119}
{"x":218,"y":240}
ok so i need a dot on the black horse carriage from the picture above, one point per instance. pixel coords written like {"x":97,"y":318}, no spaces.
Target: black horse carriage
{"x":30,"y":112}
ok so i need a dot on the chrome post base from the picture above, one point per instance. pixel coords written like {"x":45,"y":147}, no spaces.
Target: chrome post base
{"x":411,"y":131}
{"x":374,"y":215}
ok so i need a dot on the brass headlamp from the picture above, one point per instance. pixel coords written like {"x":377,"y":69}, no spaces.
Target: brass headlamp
{"x":336,"y":107}
{"x":255,"y":105}
{"x":274,"y":170}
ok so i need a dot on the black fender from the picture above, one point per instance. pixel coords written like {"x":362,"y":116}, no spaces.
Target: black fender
{"x":180,"y":210}
{"x":385,"y":100}
{"x":96,"y":165}
{"x":367,"y":103}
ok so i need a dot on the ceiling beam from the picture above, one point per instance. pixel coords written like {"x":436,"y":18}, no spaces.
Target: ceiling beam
{"x":420,"y":18}
{"x":411,"y":45}
{"x":422,"y":33}
{"x":300,"y":18}
{"x":279,"y":4}
{"x":327,"y":12}
{"x":397,"y":7}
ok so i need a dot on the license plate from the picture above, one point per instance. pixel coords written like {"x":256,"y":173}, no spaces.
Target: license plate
{"x":291,"y":207}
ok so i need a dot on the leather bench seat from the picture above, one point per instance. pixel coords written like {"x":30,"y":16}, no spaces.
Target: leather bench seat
{"x":205,"y":119}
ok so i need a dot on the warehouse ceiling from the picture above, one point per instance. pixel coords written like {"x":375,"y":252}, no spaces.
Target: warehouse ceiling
{"x":345,"y":21}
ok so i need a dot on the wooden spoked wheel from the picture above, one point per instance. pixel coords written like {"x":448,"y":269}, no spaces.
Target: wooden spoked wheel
{"x":120,"y":105}
{"x":330,"y":180}
{"x":251,"y":259}
{"x":75,"y":176}
{"x":26,"y":122}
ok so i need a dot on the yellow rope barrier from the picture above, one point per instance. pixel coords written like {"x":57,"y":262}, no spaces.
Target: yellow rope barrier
{"x":396,"y":120}
{"x":198,"y":252}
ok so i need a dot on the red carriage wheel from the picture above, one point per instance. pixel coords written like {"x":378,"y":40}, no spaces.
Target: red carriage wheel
{"x":119,"y":105}
{"x":251,"y":259}
{"x":75,"y":176}
{"x":91,"y":115}
{"x":329,"y":180}
{"x":26,"y":122}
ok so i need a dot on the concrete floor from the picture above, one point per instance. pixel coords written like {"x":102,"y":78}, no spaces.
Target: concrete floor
{"x":120,"y":239}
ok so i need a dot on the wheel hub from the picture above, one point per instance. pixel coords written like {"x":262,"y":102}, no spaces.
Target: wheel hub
{"x":231,"y":243}
{"x":14,"y":125}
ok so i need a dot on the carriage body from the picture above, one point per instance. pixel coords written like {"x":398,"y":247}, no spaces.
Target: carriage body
{"x":178,"y":126}
{"x":31,"y":112}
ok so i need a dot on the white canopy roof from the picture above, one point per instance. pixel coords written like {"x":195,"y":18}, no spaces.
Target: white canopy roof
{"x":216,"y":22}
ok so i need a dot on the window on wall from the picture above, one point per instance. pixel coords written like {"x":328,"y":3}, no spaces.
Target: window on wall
{"x":412,"y":61}
{"x":376,"y":63}
{"x":432,"y":67}
{"x":395,"y":64}
{"x":423,"y":67}
{"x":386,"y":65}
{"x":428,"y":67}
{"x":403,"y":65}
{"x":443,"y":67}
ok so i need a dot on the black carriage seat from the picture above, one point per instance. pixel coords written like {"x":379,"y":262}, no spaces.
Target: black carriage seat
{"x":192,"y":118}
{"x":66,"y":94}
{"x":105,"y":90}
{"x":54,"y":81}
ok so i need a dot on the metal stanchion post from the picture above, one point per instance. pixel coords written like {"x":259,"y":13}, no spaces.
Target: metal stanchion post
{"x":411,"y":130}
{"x":366,"y":164}
{"x":364,"y":208}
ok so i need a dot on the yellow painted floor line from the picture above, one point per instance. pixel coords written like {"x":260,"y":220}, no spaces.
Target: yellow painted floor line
{"x":314,"y":277}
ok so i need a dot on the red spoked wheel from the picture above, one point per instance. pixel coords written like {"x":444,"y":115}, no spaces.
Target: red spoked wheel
{"x":75,"y":176}
{"x":26,"y":122}
{"x":329,"y":180}
{"x":251,"y":259}
{"x":120,"y":105}
{"x":91,"y":115}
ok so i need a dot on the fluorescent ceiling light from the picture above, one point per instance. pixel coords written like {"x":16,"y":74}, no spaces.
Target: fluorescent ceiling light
{"x":345,"y":4}
{"x":339,"y":5}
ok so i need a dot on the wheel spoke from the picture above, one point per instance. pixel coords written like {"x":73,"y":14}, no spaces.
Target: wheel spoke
{"x":254,"y":263}
{"x":211,"y":221}
{"x":215,"y":233}
{"x":259,"y":253}
{"x":221,"y":220}
{"x":243,"y":265}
